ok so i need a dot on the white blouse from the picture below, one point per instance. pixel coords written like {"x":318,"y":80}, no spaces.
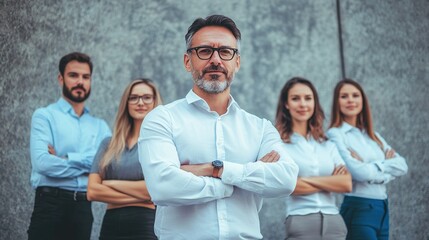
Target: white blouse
{"x":371,"y":175}
{"x":313,"y":159}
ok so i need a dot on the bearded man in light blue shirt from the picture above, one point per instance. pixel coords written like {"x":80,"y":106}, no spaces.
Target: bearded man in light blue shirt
{"x":207,"y":162}
{"x":63,"y":142}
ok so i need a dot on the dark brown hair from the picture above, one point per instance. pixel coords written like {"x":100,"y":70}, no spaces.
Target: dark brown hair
{"x":284,"y":119}
{"x":74,"y":56}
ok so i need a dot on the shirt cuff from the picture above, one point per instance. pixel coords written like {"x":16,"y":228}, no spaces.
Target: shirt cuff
{"x":380,"y":166}
{"x":225,"y":190}
{"x":78,"y":160}
{"x":389,"y":165}
{"x":232,"y":173}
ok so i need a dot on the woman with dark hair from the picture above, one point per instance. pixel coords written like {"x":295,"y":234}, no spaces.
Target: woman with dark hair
{"x":116,"y":177}
{"x":311,"y":210}
{"x":371,"y":161}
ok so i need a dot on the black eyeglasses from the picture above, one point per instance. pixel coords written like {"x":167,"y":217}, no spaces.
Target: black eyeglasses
{"x":147,"y":99}
{"x":205,"y":53}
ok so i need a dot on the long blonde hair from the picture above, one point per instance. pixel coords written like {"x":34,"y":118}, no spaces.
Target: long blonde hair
{"x":124,"y":124}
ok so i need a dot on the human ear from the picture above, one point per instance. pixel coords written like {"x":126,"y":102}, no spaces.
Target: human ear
{"x":60,"y":79}
{"x":238,"y":64}
{"x":187,"y":62}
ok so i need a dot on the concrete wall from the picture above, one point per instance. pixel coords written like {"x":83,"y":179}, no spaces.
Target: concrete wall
{"x":386,"y":49}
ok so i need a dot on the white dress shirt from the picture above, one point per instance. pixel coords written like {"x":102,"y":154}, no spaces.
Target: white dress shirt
{"x":193,"y":207}
{"x":370,"y":176}
{"x":313,"y":159}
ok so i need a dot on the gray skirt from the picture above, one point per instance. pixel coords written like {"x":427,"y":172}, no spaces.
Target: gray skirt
{"x":315,"y":226}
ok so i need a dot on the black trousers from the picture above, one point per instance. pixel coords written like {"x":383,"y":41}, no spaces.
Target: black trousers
{"x":128,"y":223}
{"x":60,"y":214}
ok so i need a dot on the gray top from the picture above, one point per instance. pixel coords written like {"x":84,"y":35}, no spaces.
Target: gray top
{"x":127,"y":168}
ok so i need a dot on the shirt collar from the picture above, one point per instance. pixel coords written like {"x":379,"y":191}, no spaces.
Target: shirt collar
{"x":295,"y":138}
{"x":193,"y":98}
{"x":67,"y":107}
{"x":346,"y":127}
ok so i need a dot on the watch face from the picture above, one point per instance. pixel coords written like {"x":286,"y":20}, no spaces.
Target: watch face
{"x":217,"y":164}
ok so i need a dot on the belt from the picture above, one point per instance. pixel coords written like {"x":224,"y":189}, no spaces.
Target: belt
{"x":62,"y":193}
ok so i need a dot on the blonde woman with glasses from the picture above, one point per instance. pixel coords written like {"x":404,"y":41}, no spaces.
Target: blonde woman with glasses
{"x":116,"y":177}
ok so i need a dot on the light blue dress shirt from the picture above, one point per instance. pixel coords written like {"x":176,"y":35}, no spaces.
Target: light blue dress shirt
{"x":313,"y":159}
{"x":193,"y":207}
{"x":370,"y":176}
{"x":74,"y":138}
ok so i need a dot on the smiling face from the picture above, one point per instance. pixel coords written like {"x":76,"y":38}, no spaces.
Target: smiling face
{"x":139,"y":110}
{"x":300,"y":103}
{"x":213,"y":75}
{"x":76,"y":82}
{"x":350,"y":102}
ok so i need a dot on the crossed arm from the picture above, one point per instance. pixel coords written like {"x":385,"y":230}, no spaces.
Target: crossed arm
{"x":206,"y":169}
{"x":380,"y":171}
{"x":46,"y":163}
{"x":114,"y":192}
{"x":393,"y":165}
{"x":117,"y":191}
{"x":340,"y":181}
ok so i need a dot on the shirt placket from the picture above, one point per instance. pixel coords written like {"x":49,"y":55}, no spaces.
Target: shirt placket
{"x":315,"y":167}
{"x":316,"y":158}
{"x":80,"y":179}
{"x":221,"y":204}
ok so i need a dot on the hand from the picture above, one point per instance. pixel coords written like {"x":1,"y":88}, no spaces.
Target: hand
{"x":340,"y":170}
{"x":270,"y":157}
{"x":51,"y":150}
{"x":355,"y":155}
{"x":148,"y":201}
{"x":389,"y":154}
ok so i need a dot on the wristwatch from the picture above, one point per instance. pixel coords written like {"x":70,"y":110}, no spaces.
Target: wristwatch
{"x":217,"y":165}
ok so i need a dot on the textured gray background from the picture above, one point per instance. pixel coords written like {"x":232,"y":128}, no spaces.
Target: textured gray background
{"x":386,"y":49}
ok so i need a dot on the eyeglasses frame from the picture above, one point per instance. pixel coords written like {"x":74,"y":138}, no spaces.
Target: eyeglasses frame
{"x":141,"y":97}
{"x":235,"y":50}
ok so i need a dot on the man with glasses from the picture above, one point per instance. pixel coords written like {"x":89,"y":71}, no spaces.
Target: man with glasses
{"x":200,"y":154}
{"x":63,"y":142}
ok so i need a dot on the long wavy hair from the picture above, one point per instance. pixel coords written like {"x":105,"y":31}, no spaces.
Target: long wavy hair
{"x":284,"y":122}
{"x":124,"y":124}
{"x":364,"y":118}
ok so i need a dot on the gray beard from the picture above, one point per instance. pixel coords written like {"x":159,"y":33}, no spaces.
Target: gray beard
{"x":213,"y":85}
